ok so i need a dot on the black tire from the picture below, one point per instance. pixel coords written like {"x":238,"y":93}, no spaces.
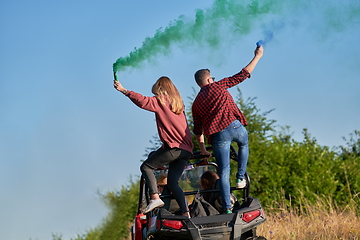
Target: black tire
{"x":132,"y":233}
{"x":249,"y":235}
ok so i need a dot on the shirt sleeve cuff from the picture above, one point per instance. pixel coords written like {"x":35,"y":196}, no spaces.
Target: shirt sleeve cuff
{"x":246,"y":72}
{"x":127,"y":93}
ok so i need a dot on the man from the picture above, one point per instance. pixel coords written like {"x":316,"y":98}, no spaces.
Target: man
{"x":217,"y":117}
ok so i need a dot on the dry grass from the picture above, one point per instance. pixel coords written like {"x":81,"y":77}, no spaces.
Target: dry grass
{"x":323,"y":220}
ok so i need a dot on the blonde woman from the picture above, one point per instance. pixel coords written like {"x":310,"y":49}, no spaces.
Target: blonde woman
{"x":174,"y":133}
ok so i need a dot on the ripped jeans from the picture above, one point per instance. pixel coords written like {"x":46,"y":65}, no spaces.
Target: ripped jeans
{"x":221,"y":141}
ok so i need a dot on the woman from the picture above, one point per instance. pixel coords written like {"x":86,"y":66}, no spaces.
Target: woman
{"x":174,"y":133}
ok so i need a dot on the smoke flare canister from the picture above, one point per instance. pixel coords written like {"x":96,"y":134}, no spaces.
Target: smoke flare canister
{"x":259,"y":43}
{"x":115,"y":76}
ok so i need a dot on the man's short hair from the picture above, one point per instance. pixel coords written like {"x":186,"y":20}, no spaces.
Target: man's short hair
{"x":200,"y":74}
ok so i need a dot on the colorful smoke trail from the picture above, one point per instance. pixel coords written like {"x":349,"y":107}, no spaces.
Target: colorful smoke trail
{"x":241,"y":19}
{"x":269,"y":29}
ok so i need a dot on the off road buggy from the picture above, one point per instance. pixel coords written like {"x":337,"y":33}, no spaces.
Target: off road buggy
{"x":166,"y":223}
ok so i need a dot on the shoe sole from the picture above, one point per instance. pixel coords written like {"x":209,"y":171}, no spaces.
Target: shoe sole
{"x":152,"y":208}
{"x":240,"y":186}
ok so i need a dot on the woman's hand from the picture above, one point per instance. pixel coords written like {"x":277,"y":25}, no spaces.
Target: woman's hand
{"x":118,"y":86}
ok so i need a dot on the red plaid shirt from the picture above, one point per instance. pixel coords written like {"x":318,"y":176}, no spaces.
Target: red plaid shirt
{"x":214,"y":108}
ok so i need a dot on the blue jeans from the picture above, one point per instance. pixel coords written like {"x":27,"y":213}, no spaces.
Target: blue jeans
{"x":221,"y":141}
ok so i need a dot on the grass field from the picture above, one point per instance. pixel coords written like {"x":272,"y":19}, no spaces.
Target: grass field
{"x":323,"y":220}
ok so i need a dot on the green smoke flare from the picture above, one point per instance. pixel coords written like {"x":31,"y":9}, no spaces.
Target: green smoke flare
{"x":235,"y":15}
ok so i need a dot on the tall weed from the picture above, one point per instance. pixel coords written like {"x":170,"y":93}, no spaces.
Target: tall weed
{"x":323,"y":220}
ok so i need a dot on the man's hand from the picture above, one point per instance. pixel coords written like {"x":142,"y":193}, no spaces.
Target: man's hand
{"x":201,"y":142}
{"x":259,"y":51}
{"x":206,"y":153}
{"x":258,"y":54}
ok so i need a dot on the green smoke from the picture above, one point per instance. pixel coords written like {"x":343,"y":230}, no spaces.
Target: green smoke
{"x":200,"y":31}
{"x":236,"y":15}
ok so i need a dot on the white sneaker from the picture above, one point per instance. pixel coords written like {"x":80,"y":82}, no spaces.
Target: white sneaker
{"x":240,"y":183}
{"x":155,"y":203}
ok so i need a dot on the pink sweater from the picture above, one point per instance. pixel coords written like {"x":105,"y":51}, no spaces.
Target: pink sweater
{"x":172,"y":128}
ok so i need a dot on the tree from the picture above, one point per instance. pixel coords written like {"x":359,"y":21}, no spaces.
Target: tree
{"x":281,"y":169}
{"x":348,"y":169}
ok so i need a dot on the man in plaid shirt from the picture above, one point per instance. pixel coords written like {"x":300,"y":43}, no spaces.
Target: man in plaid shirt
{"x":217,"y":116}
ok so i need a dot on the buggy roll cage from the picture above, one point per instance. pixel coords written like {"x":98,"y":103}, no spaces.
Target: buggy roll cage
{"x":202,"y":162}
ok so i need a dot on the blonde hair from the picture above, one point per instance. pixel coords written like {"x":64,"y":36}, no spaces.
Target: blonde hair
{"x":165,"y":87}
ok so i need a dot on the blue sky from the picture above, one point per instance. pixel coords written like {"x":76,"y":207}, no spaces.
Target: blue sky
{"x":66,"y":134}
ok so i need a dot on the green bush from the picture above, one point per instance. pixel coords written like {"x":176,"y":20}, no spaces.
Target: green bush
{"x":281,"y":169}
